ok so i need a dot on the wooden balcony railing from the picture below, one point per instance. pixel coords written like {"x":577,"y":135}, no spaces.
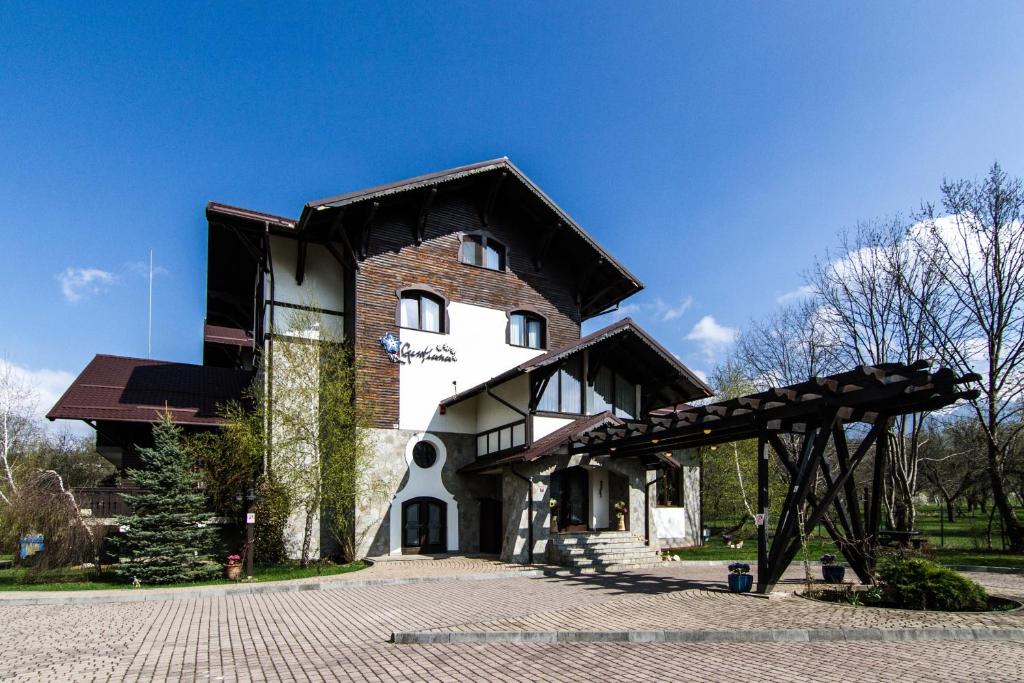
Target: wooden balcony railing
{"x":103,"y":501}
{"x":501,"y":438}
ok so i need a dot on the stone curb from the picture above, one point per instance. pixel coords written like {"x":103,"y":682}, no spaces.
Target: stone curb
{"x":708,"y":636}
{"x":198,"y":593}
{"x":955,"y":567}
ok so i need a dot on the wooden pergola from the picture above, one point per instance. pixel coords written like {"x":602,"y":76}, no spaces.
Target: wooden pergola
{"x":810,"y":416}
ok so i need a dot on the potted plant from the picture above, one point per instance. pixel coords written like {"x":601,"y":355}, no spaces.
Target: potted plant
{"x":233,"y":568}
{"x":620,"y":515}
{"x":830,"y":571}
{"x":740,"y":580}
{"x":553,"y":505}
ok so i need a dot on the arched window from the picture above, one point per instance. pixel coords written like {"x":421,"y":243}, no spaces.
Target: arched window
{"x":420,"y":309}
{"x":527,"y":329}
{"x":480,"y":249}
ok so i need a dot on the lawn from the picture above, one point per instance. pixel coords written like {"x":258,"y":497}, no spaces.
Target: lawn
{"x":79,"y":579}
{"x":964,"y":542}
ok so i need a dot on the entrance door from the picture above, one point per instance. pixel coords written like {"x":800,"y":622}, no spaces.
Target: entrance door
{"x":490,"y":526}
{"x":573,"y":507}
{"x":424,"y":526}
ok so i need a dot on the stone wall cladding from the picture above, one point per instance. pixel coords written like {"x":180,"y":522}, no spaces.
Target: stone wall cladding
{"x":373,"y":514}
{"x":515,"y":500}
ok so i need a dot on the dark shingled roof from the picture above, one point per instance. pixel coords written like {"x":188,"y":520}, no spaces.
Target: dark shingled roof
{"x":120,"y":389}
{"x":230,"y":336}
{"x":546,"y":445}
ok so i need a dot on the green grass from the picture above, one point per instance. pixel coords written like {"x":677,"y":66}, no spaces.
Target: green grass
{"x":963,"y":542}
{"x":79,"y":579}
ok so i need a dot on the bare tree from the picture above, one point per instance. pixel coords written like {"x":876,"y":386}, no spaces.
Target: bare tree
{"x":17,"y":425}
{"x":977,"y":248}
{"x":874,"y":297}
{"x":786,"y":347}
{"x":953,"y":461}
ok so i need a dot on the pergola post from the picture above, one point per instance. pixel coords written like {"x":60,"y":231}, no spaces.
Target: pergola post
{"x":762,"y":506}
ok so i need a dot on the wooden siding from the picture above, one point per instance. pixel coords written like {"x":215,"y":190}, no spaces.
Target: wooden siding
{"x":395,"y":261}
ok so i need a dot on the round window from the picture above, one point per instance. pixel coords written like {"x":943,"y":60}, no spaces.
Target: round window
{"x":424,"y":454}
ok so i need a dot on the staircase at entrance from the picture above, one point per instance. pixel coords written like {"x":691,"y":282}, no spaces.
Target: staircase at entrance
{"x":601,"y":551}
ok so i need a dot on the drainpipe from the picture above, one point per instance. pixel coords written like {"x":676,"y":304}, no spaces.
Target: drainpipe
{"x":268,"y":366}
{"x":526,"y":417}
{"x":647,"y":506}
{"x":529,"y":512}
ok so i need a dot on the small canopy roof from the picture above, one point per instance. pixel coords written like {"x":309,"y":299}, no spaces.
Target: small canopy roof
{"x":631,"y":347}
{"x":121,"y":389}
{"x":544,"y":446}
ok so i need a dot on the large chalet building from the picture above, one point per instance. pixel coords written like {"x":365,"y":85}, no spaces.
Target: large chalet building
{"x":463,"y":294}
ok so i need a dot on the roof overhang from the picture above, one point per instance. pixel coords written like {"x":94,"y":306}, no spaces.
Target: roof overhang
{"x":689,"y":385}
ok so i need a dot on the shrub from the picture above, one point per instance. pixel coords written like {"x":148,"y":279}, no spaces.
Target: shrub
{"x":916,"y":583}
{"x":272,"y":508}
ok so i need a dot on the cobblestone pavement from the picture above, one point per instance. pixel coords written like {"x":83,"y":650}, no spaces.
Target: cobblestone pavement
{"x":342,"y":635}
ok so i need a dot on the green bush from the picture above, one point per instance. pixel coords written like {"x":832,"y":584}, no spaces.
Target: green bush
{"x":917,"y":583}
{"x":272,"y":508}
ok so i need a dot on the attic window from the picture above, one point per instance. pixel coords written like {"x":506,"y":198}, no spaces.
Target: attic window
{"x":483,"y":251}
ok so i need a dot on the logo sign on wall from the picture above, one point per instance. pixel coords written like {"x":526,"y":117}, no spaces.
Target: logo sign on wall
{"x":405,"y":354}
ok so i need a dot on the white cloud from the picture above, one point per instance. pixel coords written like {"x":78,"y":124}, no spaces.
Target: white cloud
{"x":701,"y":374}
{"x":711,"y":336}
{"x":77,"y":283}
{"x":666,"y":312}
{"x":46,"y":387}
{"x":801,"y":292}
{"x":142,"y":268}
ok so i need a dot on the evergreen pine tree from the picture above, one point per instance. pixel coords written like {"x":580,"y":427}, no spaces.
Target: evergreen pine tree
{"x":166,"y":538}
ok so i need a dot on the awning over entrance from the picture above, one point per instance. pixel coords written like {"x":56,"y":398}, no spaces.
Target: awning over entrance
{"x":805,"y":424}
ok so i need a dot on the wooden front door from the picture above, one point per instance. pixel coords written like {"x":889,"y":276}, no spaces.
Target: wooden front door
{"x":424,"y":526}
{"x":572,"y":513}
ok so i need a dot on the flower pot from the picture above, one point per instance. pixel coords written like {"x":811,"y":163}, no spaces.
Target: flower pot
{"x":233,"y":571}
{"x":833,"y":573}
{"x":620,"y":522}
{"x":740,"y":583}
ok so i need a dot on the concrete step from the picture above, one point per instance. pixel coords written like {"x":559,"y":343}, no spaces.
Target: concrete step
{"x":609,"y":552}
{"x":579,"y":543}
{"x":594,"y":534}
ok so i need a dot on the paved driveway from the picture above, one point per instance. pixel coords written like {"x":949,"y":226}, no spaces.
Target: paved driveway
{"x":343,"y":634}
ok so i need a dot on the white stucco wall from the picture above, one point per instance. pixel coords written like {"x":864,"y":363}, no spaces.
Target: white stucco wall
{"x":477,"y":335}
{"x":599,"y":503}
{"x":542,"y":425}
{"x":323,"y":286}
{"x":424,"y":483}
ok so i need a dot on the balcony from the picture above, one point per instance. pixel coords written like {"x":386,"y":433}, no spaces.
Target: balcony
{"x":103,"y":502}
{"x":501,"y":438}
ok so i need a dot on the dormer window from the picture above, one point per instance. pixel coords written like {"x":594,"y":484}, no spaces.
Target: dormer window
{"x":527,"y":329}
{"x":479,"y":249}
{"x":419,"y":309}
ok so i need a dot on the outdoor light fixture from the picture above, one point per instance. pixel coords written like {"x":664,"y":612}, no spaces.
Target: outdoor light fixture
{"x":714,"y":448}
{"x":668,"y":454}
{"x":707,"y":431}
{"x":654,"y":440}
{"x":612,"y":449}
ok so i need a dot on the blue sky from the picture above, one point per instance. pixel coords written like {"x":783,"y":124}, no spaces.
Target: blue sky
{"x":715,"y":150}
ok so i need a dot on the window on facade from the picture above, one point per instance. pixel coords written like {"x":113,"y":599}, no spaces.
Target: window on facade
{"x":422,"y":311}
{"x":424,"y":454}
{"x":611,"y":391}
{"x":564,"y":393}
{"x":480,"y":250}
{"x":670,"y":489}
{"x":526,"y":329}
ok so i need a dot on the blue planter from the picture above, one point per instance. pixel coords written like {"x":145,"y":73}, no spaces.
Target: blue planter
{"x":833,"y":573}
{"x":740,"y":583}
